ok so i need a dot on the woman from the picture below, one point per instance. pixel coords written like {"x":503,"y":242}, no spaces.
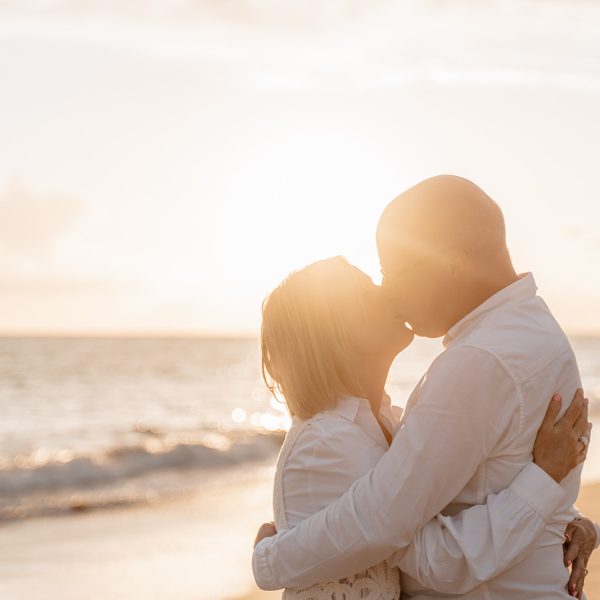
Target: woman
{"x":328,"y":340}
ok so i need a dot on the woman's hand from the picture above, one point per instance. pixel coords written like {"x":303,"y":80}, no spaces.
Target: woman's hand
{"x":265,"y":530}
{"x":580,"y":540}
{"x":558,"y":445}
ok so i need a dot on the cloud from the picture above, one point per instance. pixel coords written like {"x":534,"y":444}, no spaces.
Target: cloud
{"x":31,"y":224}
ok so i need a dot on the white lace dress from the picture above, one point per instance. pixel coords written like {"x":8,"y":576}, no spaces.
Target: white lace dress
{"x":351,"y":430}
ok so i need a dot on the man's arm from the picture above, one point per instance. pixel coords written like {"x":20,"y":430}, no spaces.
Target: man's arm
{"x":455,"y":425}
{"x":454,"y":555}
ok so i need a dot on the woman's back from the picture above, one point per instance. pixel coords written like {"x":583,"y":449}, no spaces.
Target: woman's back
{"x":320,"y":459}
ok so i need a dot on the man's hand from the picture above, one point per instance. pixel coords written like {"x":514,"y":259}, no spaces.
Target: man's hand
{"x":265,"y":530}
{"x":580,"y":536}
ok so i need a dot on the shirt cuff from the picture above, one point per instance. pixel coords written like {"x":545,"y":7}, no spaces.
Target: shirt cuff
{"x":539,"y":490}
{"x":263,"y":576}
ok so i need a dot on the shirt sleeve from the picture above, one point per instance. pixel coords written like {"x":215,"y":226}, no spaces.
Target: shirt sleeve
{"x":454,"y":555}
{"x":452,"y":428}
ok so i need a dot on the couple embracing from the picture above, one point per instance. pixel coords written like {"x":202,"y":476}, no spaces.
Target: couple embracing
{"x":469,"y":493}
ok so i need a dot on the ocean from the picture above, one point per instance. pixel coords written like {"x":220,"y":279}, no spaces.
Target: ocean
{"x":98,"y":422}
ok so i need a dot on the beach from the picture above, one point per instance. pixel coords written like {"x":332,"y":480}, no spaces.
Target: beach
{"x":194,"y":547}
{"x":190,"y":548}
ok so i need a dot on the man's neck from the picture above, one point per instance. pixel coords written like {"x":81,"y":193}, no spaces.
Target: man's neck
{"x":484,"y":290}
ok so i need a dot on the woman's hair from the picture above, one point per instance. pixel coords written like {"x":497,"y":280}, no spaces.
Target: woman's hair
{"x":306,"y":343}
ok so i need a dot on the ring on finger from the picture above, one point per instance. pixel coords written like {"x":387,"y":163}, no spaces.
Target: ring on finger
{"x":585,"y":440}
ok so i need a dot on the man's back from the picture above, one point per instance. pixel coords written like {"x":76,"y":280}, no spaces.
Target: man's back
{"x":518,"y":330}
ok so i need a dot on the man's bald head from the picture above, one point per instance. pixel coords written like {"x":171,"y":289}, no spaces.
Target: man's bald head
{"x":440,"y":212}
{"x":442,"y":247}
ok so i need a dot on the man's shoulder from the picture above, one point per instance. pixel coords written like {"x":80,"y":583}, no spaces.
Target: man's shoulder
{"x":466,"y":358}
{"x":524,"y":341}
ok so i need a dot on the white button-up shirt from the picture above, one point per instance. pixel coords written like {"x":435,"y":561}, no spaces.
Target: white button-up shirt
{"x":467,"y":433}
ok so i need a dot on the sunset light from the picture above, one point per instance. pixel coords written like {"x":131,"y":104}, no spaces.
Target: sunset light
{"x":299,"y":299}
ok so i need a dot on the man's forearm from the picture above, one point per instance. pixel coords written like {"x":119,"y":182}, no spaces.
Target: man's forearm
{"x":323,"y":547}
{"x":454,"y":555}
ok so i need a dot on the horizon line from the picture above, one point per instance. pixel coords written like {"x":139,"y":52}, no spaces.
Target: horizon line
{"x":129,"y":333}
{"x":183,"y":334}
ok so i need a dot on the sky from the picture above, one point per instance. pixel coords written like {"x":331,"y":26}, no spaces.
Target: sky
{"x":165,"y":164}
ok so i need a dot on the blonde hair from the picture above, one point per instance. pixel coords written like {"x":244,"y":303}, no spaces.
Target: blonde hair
{"x":306,"y":342}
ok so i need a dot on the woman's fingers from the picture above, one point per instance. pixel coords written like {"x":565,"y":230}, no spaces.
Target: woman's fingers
{"x":570,"y":528}
{"x":577,"y":578}
{"x":584,"y":447}
{"x":583,"y":417}
{"x":551,"y":413}
{"x":573,"y":549}
{"x":578,"y":550}
{"x":588,"y":434}
{"x":580,"y":426}
{"x":265,"y":530}
{"x":572,"y":413}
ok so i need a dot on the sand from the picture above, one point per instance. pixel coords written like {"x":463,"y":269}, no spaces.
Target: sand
{"x":193,"y":548}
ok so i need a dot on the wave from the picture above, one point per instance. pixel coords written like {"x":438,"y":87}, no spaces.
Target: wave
{"x":128,"y":462}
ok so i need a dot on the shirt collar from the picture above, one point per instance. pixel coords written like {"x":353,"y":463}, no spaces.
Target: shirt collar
{"x":525,"y":287}
{"x":359,"y":411}
{"x":347,"y":406}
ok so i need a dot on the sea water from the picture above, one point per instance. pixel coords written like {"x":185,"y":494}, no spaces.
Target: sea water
{"x":92,"y":422}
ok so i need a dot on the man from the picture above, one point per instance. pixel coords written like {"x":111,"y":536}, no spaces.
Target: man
{"x":469,"y":425}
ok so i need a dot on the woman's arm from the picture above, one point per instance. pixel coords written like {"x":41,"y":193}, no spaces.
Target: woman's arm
{"x":457,"y":554}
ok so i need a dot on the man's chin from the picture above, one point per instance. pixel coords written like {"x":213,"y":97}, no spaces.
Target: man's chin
{"x":405,"y":334}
